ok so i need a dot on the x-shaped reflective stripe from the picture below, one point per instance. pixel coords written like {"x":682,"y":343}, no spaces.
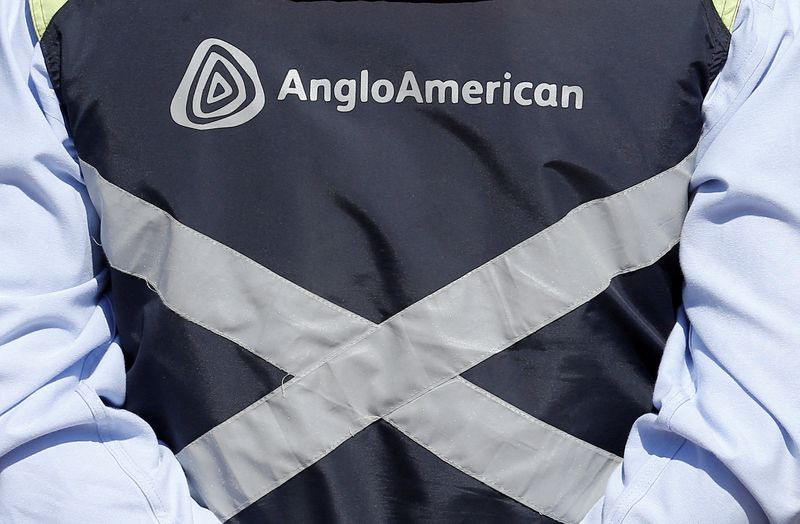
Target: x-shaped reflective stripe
{"x":395,"y":370}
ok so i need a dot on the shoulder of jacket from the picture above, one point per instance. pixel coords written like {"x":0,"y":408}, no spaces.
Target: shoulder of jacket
{"x":727,"y":10}
{"x":42,"y":11}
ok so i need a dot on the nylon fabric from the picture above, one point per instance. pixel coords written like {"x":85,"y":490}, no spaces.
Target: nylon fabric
{"x":197,"y":358}
{"x":42,"y":11}
{"x":126,"y":256}
{"x":532,"y":462}
{"x":560,"y":374}
{"x":379,"y":207}
{"x":405,"y":483}
{"x":432,"y":341}
{"x":376,"y":208}
{"x":216,"y":287}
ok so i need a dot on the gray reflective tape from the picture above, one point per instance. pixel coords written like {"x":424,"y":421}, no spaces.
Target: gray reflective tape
{"x":580,"y":485}
{"x":138,"y":213}
{"x":432,"y":341}
{"x":532,"y":462}
{"x":216,"y":287}
{"x":151,"y":226}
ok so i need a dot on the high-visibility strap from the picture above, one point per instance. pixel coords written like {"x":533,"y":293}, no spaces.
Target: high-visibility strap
{"x":42,"y":11}
{"x":727,"y":9}
{"x":126,"y":218}
{"x":534,"y":463}
{"x":94,"y":181}
{"x":435,"y":339}
{"x":216,"y":287}
{"x":203,"y":279}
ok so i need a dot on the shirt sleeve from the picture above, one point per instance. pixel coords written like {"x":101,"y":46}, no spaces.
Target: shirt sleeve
{"x":67,"y":452}
{"x":723,"y":446}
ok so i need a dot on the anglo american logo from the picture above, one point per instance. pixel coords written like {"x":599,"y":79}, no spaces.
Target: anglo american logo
{"x":221,"y":88}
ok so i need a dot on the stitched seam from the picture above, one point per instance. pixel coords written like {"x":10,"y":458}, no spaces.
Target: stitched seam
{"x":190,"y":318}
{"x":486,"y":354}
{"x":272,"y":485}
{"x":552,"y":429}
{"x":533,"y":329}
{"x":50,"y":94}
{"x":737,"y":93}
{"x":643,"y":482}
{"x":39,"y":19}
{"x":736,"y":13}
{"x":724,"y":10}
{"x":496,"y":484}
{"x":142,"y":481}
{"x":547,"y":231}
{"x":268,"y":273}
{"x":57,"y":118}
{"x":347,"y":345}
{"x":267,"y":488}
{"x":734,"y":72}
{"x":232,"y":338}
{"x":682,"y":400}
{"x":505,"y":344}
{"x":484,"y":267}
{"x":716,"y":26}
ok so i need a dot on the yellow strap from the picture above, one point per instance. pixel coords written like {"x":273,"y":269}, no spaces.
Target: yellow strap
{"x":43,"y":11}
{"x":727,"y":10}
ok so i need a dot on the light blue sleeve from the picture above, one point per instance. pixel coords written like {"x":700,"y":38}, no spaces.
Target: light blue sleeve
{"x":67,"y":454}
{"x":723,"y":447}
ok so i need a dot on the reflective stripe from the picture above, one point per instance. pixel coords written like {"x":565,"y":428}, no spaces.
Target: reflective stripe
{"x":216,"y":287}
{"x":435,"y":339}
{"x":145,"y":223}
{"x":532,"y":462}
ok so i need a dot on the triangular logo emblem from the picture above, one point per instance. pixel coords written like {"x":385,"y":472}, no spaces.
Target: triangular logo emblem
{"x":220,"y":88}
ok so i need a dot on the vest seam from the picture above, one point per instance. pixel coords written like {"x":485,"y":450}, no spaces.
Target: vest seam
{"x":720,"y":36}
{"x":561,"y":433}
{"x":714,"y":17}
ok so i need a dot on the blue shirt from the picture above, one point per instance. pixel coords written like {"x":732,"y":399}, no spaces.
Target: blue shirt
{"x":722,"y":447}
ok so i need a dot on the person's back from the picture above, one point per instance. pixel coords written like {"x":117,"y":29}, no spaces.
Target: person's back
{"x":388,"y":261}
